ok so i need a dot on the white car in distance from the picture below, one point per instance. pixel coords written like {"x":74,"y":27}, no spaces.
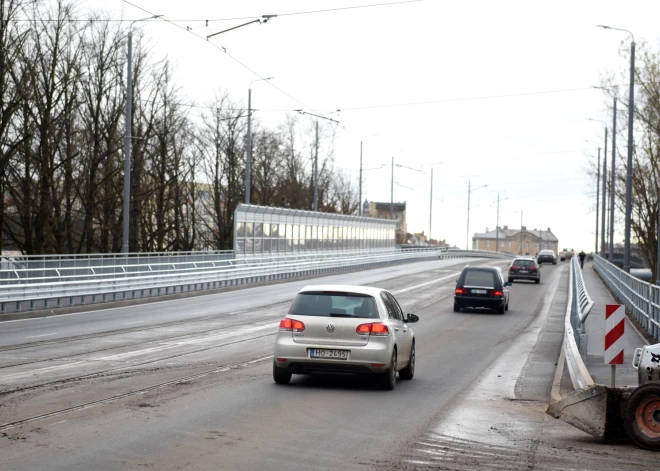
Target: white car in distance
{"x":345,"y":329}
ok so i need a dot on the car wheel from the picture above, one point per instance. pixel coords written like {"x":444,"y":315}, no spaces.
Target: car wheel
{"x":510,"y":280}
{"x":641,"y":416}
{"x":554,"y":263}
{"x":387,"y":380}
{"x":537,"y":281}
{"x":281,"y":376}
{"x":506,"y":308}
{"x":409,"y":371}
{"x":456,"y":308}
{"x":502,"y":309}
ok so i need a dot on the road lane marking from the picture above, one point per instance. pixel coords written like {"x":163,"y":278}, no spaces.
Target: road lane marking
{"x":426,"y":283}
{"x":44,"y":335}
{"x":131,"y":323}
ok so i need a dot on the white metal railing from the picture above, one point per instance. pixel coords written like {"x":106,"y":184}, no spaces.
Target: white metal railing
{"x":641,"y":299}
{"x":231,"y":272}
{"x":577,"y":309}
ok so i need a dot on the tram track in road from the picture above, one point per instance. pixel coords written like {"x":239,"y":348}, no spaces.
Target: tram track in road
{"x":17,"y":423}
{"x":71,"y":340}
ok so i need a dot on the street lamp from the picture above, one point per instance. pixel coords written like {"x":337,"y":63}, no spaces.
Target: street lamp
{"x":604,"y":208}
{"x":470,"y":190}
{"x":597,"y":194}
{"x":127,"y":135}
{"x":248,"y":160}
{"x":631,"y":111}
{"x":431,"y":200}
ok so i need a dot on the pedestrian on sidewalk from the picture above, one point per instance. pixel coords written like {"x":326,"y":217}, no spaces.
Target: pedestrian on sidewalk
{"x":582,"y":256}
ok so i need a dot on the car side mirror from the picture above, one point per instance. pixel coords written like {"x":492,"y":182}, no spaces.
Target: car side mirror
{"x":507,"y":283}
{"x":411,"y":318}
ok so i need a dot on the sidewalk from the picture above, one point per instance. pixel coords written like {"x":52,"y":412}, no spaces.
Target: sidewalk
{"x":626,"y":375}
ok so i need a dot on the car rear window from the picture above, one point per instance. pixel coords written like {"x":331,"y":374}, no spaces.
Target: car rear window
{"x":524,"y":263}
{"x":479,"y":278}
{"x":326,"y":304}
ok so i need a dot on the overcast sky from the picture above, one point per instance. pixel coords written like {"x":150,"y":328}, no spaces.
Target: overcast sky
{"x":506,"y":87}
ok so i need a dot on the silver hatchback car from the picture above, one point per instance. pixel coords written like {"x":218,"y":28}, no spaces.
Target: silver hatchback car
{"x":345,"y":329}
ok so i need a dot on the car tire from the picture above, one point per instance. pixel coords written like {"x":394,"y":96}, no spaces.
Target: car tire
{"x":280,"y":376}
{"x":409,"y":371}
{"x":502,"y":309}
{"x":640,"y":416}
{"x":511,"y":280}
{"x":387,"y":380}
{"x":554,"y":263}
{"x":456,"y":308}
{"x":506,"y":307}
{"x":537,"y":281}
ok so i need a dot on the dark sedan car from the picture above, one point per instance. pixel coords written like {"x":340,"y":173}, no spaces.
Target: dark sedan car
{"x":546,"y":256}
{"x":525,"y":269}
{"x":481,"y":287}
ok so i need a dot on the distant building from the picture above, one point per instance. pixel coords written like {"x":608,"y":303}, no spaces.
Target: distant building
{"x":516,"y":241}
{"x":382,"y":211}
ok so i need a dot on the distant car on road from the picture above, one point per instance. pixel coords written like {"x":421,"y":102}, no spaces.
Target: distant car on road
{"x":345,"y":329}
{"x":547,"y":256}
{"x":481,"y":287}
{"x":566,"y":254}
{"x":524,"y":269}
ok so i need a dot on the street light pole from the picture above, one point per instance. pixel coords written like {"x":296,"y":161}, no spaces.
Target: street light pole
{"x":597,"y":199}
{"x":631,"y":113}
{"x":497,"y":226}
{"x":248,"y":159}
{"x":521,"y":232}
{"x":127,"y":136}
{"x":360,"y":192}
{"x":629,"y":170}
{"x":431,"y":207}
{"x":316,"y":170}
{"x":467,"y":233}
{"x":612,"y":185}
{"x":602,"y":223}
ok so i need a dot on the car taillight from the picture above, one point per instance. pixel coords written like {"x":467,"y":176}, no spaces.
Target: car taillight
{"x":291,"y":325}
{"x":375,"y":328}
{"x":534,"y":269}
{"x":497,"y":293}
{"x":460,"y":291}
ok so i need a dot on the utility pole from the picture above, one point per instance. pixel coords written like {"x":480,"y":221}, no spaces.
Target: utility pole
{"x":631,"y":114}
{"x":612,"y":185}
{"x":360,"y":192}
{"x":431,"y":207}
{"x":597,"y":199}
{"x":248,"y":160}
{"x":602,"y":224}
{"x":392,"y":192}
{"x":497,"y":226}
{"x":316,"y":170}
{"x":521,"y":232}
{"x":467,"y":234}
{"x":127,"y":143}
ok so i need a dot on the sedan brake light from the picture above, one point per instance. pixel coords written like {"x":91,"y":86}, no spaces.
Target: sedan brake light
{"x":497,"y":293}
{"x":291,"y":325}
{"x":374,"y":328}
{"x":460,"y":291}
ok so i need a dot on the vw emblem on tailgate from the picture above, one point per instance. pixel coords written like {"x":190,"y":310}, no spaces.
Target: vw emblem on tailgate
{"x":330,"y":328}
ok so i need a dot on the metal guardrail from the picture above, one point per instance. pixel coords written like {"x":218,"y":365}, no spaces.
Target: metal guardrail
{"x":575,"y":339}
{"x":642,"y":299}
{"x":68,"y":292}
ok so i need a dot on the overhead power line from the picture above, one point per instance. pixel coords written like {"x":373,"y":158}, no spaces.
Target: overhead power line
{"x":207,"y":21}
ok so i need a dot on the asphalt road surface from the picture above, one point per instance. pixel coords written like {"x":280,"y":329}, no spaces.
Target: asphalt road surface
{"x":186,"y":384}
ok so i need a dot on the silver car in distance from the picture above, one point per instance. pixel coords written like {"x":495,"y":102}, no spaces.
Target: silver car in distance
{"x":345,"y":329}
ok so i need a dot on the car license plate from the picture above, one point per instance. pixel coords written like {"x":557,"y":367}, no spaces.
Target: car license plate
{"x":479,"y":291}
{"x":324,"y":353}
{"x":524,"y":271}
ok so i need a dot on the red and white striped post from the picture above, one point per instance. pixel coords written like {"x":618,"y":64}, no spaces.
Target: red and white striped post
{"x":615,"y":327}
